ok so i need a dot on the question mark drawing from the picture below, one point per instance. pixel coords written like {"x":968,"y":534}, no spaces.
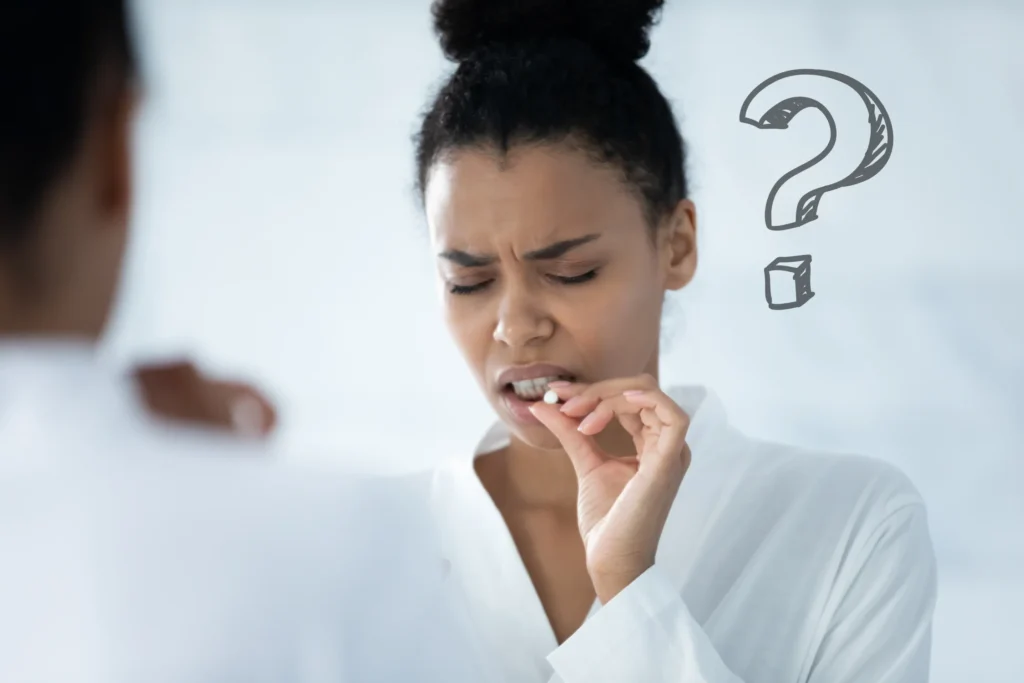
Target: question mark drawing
{"x":797,"y":269}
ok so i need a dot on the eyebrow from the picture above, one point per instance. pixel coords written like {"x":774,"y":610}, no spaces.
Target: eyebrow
{"x":548,"y":253}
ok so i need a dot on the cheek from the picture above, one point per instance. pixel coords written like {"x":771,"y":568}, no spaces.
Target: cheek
{"x":618,"y":329}
{"x":468,"y":331}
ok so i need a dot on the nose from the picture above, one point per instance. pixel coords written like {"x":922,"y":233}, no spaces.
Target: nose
{"x":522,"y":319}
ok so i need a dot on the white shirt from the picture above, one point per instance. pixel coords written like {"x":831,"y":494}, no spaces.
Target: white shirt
{"x":776,"y":565}
{"x":134,"y":551}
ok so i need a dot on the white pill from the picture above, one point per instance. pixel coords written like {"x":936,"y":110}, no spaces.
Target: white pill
{"x":550,"y":397}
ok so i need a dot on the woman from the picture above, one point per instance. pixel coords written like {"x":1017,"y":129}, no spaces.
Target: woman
{"x":627,"y":532}
{"x":590,"y":548}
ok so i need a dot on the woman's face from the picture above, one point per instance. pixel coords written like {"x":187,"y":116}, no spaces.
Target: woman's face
{"x":549,"y":270}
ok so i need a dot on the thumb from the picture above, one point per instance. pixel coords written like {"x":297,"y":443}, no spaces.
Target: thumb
{"x":582,"y":450}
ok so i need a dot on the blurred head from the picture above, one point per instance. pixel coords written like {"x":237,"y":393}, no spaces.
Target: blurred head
{"x":552,"y":174}
{"x":67,"y":77}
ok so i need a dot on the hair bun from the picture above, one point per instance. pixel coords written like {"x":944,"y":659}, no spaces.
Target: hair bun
{"x":616,"y":29}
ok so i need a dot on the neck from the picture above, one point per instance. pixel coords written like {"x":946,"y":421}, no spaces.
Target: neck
{"x":540,"y":478}
{"x":37,"y":318}
{"x":32,"y":306}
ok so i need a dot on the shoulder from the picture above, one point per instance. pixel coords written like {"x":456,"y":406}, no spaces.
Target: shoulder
{"x":207,"y":460}
{"x":868,"y":516}
{"x":859,"y":481}
{"x":129,"y":460}
{"x":839,"y":504}
{"x":237,"y":496}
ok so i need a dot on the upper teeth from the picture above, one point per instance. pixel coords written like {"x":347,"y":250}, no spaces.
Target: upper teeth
{"x":532,"y":388}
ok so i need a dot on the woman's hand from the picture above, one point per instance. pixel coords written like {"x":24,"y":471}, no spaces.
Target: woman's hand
{"x":178,"y":391}
{"x":623,"y":502}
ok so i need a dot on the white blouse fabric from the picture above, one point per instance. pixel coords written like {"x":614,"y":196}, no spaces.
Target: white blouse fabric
{"x":776,"y":565}
{"x":135,"y":551}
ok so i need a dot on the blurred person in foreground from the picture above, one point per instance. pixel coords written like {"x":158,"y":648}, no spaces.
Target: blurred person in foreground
{"x":135,"y":549}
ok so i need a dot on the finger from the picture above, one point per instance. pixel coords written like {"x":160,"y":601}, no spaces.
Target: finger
{"x":661,"y":413}
{"x":634,"y":426}
{"x":567,"y":391}
{"x":598,"y":420}
{"x":581,"y":398}
{"x":581,"y":405}
{"x":177,"y":391}
{"x":624,"y":412}
{"x":627,"y":411}
{"x":605,"y":411}
{"x":180,"y":369}
{"x":249,"y":411}
{"x":172,"y":390}
{"x":595,"y":422}
{"x":584,"y":453}
{"x":643,"y":414}
{"x":163,"y":381}
{"x":667,"y":411}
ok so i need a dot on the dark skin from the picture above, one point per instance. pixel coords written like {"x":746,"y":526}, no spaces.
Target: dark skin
{"x":179,"y":391}
{"x":548,"y":540}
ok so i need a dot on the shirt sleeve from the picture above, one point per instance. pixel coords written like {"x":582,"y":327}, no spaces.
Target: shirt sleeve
{"x":881,"y":629}
{"x":879,"y":633}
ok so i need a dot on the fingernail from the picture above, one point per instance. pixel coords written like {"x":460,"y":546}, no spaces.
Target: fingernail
{"x":559,"y":384}
{"x":633,"y":392}
{"x":247,"y":417}
{"x":588,"y":421}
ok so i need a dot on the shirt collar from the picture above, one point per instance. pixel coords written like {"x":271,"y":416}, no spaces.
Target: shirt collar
{"x":52,"y":388}
{"x":39,"y":348}
{"x":28,"y":362}
{"x":468,"y":524}
{"x":709,"y":437}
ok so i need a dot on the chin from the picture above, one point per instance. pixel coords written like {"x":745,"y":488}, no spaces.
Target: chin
{"x":537,"y":436}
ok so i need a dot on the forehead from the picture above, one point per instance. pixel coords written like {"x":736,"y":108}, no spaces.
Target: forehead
{"x":533,"y":195}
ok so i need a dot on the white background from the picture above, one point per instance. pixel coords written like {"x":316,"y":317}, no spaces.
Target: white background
{"x":279,"y":237}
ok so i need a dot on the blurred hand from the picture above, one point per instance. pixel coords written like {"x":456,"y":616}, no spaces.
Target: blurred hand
{"x":178,"y":391}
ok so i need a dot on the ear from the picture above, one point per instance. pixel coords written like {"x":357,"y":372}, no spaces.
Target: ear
{"x":679,"y":245}
{"x":115,"y":160}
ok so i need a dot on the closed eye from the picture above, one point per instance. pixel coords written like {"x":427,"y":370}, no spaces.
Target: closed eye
{"x":469,"y":289}
{"x":575,"y":279}
{"x":560,"y":279}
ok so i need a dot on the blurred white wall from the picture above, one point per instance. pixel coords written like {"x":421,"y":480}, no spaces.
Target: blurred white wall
{"x":279,"y":237}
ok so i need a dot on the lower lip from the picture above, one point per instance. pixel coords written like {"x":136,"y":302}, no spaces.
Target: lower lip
{"x":519,"y":408}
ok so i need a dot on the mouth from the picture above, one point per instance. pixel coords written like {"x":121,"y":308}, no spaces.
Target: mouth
{"x":533,"y":389}
{"x":531,"y":382}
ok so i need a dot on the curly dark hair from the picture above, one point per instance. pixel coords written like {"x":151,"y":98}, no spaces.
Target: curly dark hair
{"x":51,"y":56}
{"x":556,"y":71}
